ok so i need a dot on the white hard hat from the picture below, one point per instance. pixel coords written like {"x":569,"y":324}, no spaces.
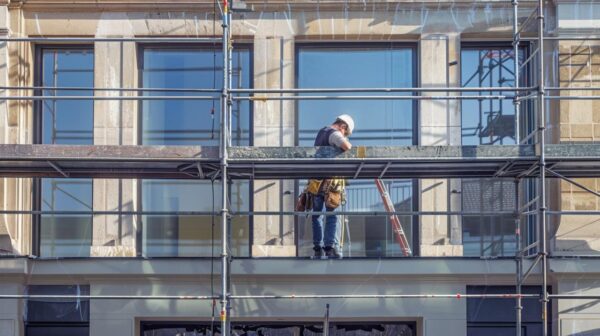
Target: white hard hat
{"x":348,"y":120}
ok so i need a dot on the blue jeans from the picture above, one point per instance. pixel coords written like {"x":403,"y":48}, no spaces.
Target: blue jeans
{"x":330,"y":239}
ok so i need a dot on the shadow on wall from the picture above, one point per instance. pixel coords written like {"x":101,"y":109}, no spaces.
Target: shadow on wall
{"x":575,"y":247}
{"x":6,"y":245}
{"x":582,"y":308}
{"x":576,"y":235}
{"x":594,"y":332}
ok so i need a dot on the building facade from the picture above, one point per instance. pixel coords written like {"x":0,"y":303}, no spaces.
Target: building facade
{"x":149,"y":66}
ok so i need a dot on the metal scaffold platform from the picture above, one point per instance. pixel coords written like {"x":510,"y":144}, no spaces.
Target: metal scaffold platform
{"x":194,"y":162}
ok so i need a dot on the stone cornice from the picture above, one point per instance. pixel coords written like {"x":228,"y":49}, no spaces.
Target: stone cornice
{"x":261,"y":5}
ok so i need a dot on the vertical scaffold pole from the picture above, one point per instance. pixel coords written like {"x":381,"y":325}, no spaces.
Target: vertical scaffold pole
{"x":517,"y":105}
{"x":542,"y":167}
{"x":223,"y":150}
{"x":518,"y":259}
{"x":516,"y":40}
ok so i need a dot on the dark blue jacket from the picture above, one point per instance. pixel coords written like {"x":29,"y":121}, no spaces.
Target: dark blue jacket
{"x":323,"y":136}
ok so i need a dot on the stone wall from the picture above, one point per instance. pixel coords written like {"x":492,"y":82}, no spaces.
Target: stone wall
{"x":579,"y":68}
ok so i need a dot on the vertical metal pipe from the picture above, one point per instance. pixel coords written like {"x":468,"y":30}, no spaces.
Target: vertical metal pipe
{"x":518,"y":259}
{"x":326,"y":321}
{"x":517,"y":103}
{"x":230,"y":81}
{"x":223,"y":150}
{"x":516,"y":40}
{"x":542,"y":167}
{"x":228,"y":139}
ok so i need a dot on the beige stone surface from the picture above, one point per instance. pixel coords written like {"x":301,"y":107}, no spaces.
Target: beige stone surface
{"x":441,"y":250}
{"x":273,"y":250}
{"x":581,"y":131}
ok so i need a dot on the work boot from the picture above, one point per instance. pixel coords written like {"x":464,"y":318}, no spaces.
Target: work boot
{"x":332,"y":252}
{"x":318,"y":252}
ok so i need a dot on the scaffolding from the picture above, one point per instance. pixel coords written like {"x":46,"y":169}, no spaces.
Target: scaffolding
{"x":531,"y":158}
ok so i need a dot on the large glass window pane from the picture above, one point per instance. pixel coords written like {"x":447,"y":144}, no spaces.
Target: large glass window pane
{"x":366,"y":236}
{"x":192,"y":122}
{"x":378,"y":123}
{"x":67,"y":121}
{"x":191,"y":234}
{"x":66,"y":235}
{"x":488,"y":121}
{"x":492,"y":231}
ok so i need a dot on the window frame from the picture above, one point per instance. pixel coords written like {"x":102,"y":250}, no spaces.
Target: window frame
{"x":499,"y":289}
{"x":526,"y":106}
{"x":414,"y":47}
{"x":525,"y":75}
{"x":58,"y":324}
{"x":330,"y":45}
{"x":140,"y":48}
{"x":38,"y":125}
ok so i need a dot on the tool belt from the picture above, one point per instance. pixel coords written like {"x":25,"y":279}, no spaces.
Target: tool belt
{"x":333,"y":189}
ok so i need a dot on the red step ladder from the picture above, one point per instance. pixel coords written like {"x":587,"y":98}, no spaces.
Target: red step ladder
{"x":396,"y":226}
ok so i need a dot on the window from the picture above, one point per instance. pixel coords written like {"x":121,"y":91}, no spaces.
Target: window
{"x":488,"y":233}
{"x":378,"y":123}
{"x":65,"y":122}
{"x":191,"y":122}
{"x":57,"y":317}
{"x":497,"y":316}
{"x":191,"y":235}
{"x":280,"y":329}
{"x":66,"y":235}
{"x":489,"y":121}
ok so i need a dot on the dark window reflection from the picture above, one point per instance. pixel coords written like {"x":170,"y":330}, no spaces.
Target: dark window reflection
{"x":53,"y":330}
{"x":280,"y":329}
{"x":488,"y":233}
{"x":497,"y":316}
{"x":57,"y":317}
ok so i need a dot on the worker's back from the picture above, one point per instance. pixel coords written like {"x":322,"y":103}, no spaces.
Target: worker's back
{"x":323,"y":136}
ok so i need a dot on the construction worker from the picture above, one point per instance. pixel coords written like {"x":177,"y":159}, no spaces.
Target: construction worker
{"x":329,"y":193}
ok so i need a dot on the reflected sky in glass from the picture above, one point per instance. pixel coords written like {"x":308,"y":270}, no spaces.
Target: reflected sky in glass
{"x":378,"y":122}
{"x":191,"y":122}
{"x":67,"y":121}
